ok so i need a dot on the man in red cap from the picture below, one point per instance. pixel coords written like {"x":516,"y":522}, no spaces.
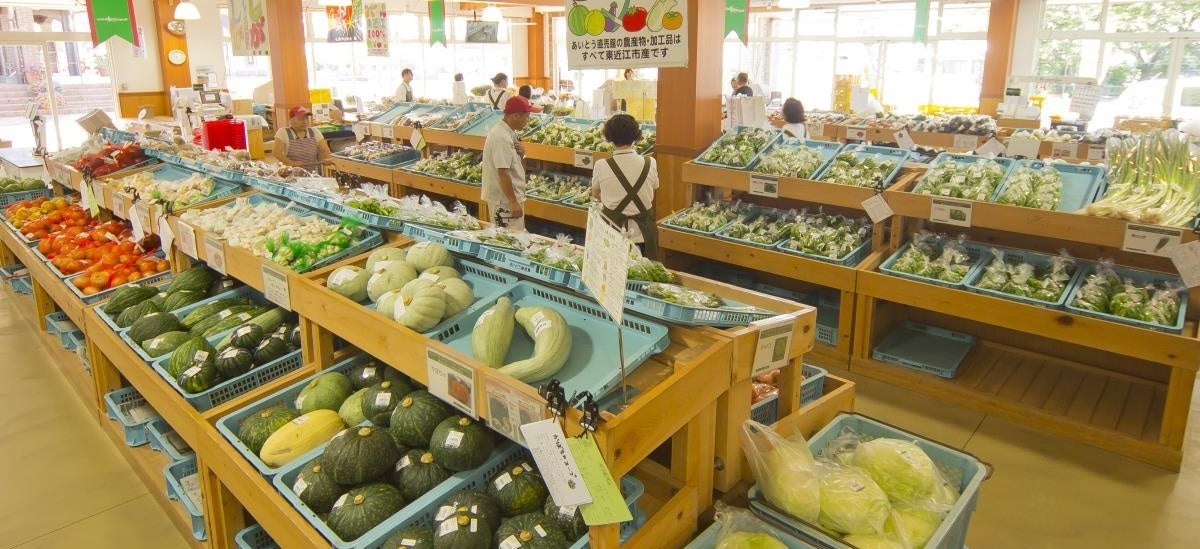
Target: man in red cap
{"x":504,"y":165}
{"x":299,"y":144}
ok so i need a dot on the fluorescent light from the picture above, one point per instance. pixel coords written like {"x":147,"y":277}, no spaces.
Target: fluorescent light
{"x":186,"y":11}
{"x":794,"y":4}
{"x":335,"y":3}
{"x":492,"y":13}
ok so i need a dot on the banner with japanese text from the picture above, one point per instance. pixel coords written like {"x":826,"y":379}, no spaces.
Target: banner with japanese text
{"x":344,"y":22}
{"x":112,"y":18}
{"x":248,"y":28}
{"x":375,"y":20}
{"x":602,"y":34}
{"x":437,"y":23}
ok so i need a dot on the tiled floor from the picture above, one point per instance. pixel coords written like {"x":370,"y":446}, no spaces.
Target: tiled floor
{"x":63,"y":484}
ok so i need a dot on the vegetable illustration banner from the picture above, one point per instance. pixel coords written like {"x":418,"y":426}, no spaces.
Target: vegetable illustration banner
{"x":344,"y":22}
{"x":248,"y":28}
{"x":375,"y":17}
{"x":607,"y":34}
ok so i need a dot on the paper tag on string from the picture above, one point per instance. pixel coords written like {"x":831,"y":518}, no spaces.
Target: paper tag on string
{"x":1186,"y":258}
{"x":877,"y":208}
{"x":607,"y":506}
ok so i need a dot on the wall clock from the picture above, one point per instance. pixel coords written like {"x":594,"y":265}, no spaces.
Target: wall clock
{"x":176,"y":57}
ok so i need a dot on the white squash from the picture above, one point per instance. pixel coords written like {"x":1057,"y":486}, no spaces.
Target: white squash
{"x":385,"y":254}
{"x":438,"y":274}
{"x":349,"y":281}
{"x":424,"y":255}
{"x":386,"y":305}
{"x":458,"y":295}
{"x":422,"y":310}
{"x":387,"y":276}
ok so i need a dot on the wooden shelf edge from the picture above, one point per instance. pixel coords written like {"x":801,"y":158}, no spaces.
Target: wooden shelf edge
{"x":553,"y":211}
{"x":793,"y":188}
{"x":760,"y":259}
{"x":445,"y":187}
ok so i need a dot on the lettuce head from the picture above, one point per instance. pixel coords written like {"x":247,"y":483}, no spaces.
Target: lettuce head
{"x":851,"y":502}
{"x":900,"y":467}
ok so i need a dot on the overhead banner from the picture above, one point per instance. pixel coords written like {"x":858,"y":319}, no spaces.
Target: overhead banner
{"x":112,"y":18}
{"x":437,"y":22}
{"x":921,"y":27}
{"x":375,"y":19}
{"x":737,"y":20}
{"x":600,"y":36}
{"x":248,"y":28}
{"x":343,"y":22}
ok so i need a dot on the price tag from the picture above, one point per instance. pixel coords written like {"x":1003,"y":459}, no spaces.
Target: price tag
{"x":904,"y":139}
{"x":774,"y":347}
{"x":1020,"y":146}
{"x":98,"y":195}
{"x":360,"y":130}
{"x":1186,"y":258}
{"x":166,"y":236}
{"x":607,"y":506}
{"x":605,"y":262}
{"x":214,"y":253}
{"x":816,"y":129}
{"x":120,"y":205}
{"x":1064,"y":150}
{"x":139,"y":228}
{"x":142,"y":213}
{"x":857,"y":133}
{"x":1096,"y":153}
{"x":509,"y":408}
{"x":187,"y":239}
{"x":1151,"y":239}
{"x":762,"y":184}
{"x":451,"y":381}
{"x":387,"y":131}
{"x":583,"y":159}
{"x":877,"y":208}
{"x":548,"y":445}
{"x":968,"y":142}
{"x":992,"y":148}
{"x":275,"y":286}
{"x":417,"y":139}
{"x":87,"y":200}
{"x":950,"y":212}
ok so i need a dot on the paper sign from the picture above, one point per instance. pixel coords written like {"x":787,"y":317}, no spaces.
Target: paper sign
{"x":87,"y":200}
{"x":605,"y":263}
{"x":968,"y":142}
{"x":950,"y":212}
{"x":451,"y":381}
{"x":548,"y":445}
{"x":816,"y":128}
{"x":417,"y":139}
{"x":1151,"y":239}
{"x":1096,"y":153}
{"x":762,"y":184}
{"x":509,"y":409}
{"x":857,"y":133}
{"x":387,"y":131}
{"x":120,"y":205}
{"x":138,"y":225}
{"x":360,"y":130}
{"x":607,"y":506}
{"x":165,"y":235}
{"x":583,"y":159}
{"x":1019,"y":146}
{"x":98,"y":195}
{"x":1064,"y":150}
{"x":992,"y":148}
{"x":877,"y":208}
{"x":142,"y":213}
{"x":275,"y":286}
{"x":1186,"y":258}
{"x":904,"y":139}
{"x":774,"y":348}
{"x":214,"y":253}
{"x":187,"y":239}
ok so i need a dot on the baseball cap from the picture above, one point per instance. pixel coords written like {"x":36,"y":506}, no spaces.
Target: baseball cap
{"x":518,"y":104}
{"x":297,"y":111}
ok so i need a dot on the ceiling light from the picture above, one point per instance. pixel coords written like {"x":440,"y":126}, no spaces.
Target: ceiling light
{"x":335,"y":3}
{"x":794,"y":4}
{"x":186,"y":11}
{"x":492,"y":13}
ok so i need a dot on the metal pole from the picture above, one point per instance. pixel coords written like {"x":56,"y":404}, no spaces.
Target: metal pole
{"x":621,"y":352}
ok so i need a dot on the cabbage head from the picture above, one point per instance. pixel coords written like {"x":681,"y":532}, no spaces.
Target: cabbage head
{"x":851,"y":503}
{"x":914,"y":524}
{"x":749,"y":540}
{"x":791,"y":482}
{"x":900,"y":467}
{"x":874,"y":541}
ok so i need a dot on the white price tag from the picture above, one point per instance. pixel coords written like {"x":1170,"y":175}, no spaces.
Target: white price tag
{"x":98,"y":194}
{"x":904,"y":139}
{"x":417,"y":139}
{"x":877,"y":208}
{"x":451,"y":381}
{"x":360,"y":130}
{"x":1186,"y":258}
{"x":275,"y":286}
{"x":166,"y":235}
{"x":453,"y":439}
{"x":214,"y":253}
{"x":1064,"y":150}
{"x":605,"y":262}
{"x":509,"y":408}
{"x":950,"y":212}
{"x":86,"y":200}
{"x":816,"y":129}
{"x":774,"y":348}
{"x":762,"y":184}
{"x":1096,"y":153}
{"x":1151,"y":239}
{"x":387,"y":131}
{"x":583,"y":159}
{"x":187,"y":239}
{"x":120,"y":205}
{"x":992,"y":148}
{"x":383,"y":399}
{"x":137,"y":224}
{"x":142,"y":213}
{"x":968,"y":142}
{"x":548,"y":445}
{"x":857,"y":133}
{"x":1021,"y":146}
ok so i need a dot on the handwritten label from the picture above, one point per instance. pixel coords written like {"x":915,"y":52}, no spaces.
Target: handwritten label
{"x":1151,"y":239}
{"x":387,"y":131}
{"x":548,"y":445}
{"x":968,"y":142}
{"x":607,"y":506}
{"x":166,"y":235}
{"x":120,"y":205}
{"x":142,"y":213}
{"x":774,"y":347}
{"x":1063,"y":150}
{"x":583,"y":159}
{"x":451,"y":381}
{"x":214,"y":253}
{"x":98,"y":194}
{"x":605,"y":262}
{"x":1186,"y":258}
{"x":509,"y":408}
{"x":1096,"y":153}
{"x":877,"y":208}
{"x":857,"y":133}
{"x":187,"y":239}
{"x":275,"y":286}
{"x":816,"y":128}
{"x":950,"y":212}
{"x":904,"y":139}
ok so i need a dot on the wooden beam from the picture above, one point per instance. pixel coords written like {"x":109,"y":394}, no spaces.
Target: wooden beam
{"x":180,"y":75}
{"x":1002,"y":28}
{"x":289,"y":62}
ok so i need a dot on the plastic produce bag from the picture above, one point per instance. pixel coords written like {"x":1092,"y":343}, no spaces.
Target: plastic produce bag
{"x":851,"y":501}
{"x":784,"y":470}
{"x":901,"y":468}
{"x":740,"y":529}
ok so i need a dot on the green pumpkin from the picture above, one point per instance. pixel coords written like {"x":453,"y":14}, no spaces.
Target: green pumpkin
{"x":415,"y":418}
{"x":568,"y":519}
{"x":413,"y":537}
{"x":416,"y":474}
{"x":327,"y":392}
{"x":371,"y":373}
{"x":379,"y":401}
{"x":255,"y":430}
{"x":474,"y":502}
{"x":199,"y":377}
{"x":351,"y":409}
{"x":316,"y":488}
{"x":233,"y":362}
{"x":531,"y":530}
{"x":519,"y":490}
{"x":461,"y":444}
{"x":361,"y":454}
{"x":358,"y":511}
{"x":247,"y":336}
{"x":462,"y":530}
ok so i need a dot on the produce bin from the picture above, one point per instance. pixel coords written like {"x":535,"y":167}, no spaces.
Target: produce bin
{"x":766,"y":411}
{"x":244,"y":292}
{"x":710,"y":536}
{"x":130,"y":409}
{"x":826,"y":150}
{"x":1138,"y":277}
{"x":897,"y":156}
{"x":925,"y":348}
{"x":976,"y":252}
{"x":1081,"y":185}
{"x":732,"y":314}
{"x":254,"y":537}
{"x":12,"y":198}
{"x":69,"y":335}
{"x":520,"y":264}
{"x":1039,"y":261}
{"x":163,"y":438}
{"x":231,"y":388}
{"x":486,"y":284}
{"x":174,"y":474}
{"x":754,"y":214}
{"x":963,"y":159}
{"x":775,"y":135}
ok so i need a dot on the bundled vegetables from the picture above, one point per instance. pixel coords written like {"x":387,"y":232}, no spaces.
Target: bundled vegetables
{"x":790,"y":158}
{"x":648,"y":270}
{"x":683,"y":296}
{"x":970,"y":180}
{"x":827,"y":236}
{"x":562,"y":134}
{"x":179,"y":194}
{"x":1104,"y":291}
{"x":372,"y":205}
{"x":1152,"y":178}
{"x":738,"y":147}
{"x":371,"y":150}
{"x":301,"y":255}
{"x":495,"y":236}
{"x":555,"y":186}
{"x":848,"y":168}
{"x":464,"y":166}
{"x":412,"y":208}
{"x":764,"y":228}
{"x":936,"y":257}
{"x":1033,"y":187}
{"x":706,"y":217}
{"x":1010,"y":275}
{"x":558,"y":254}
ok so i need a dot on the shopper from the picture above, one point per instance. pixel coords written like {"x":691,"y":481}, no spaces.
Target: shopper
{"x":625,"y":184}
{"x":498,"y":96}
{"x":793,"y":117}
{"x":630,"y":75}
{"x":525,"y":91}
{"x":741,"y":85}
{"x":459,"y":90}
{"x":504,"y":166}
{"x":299,"y":144}
{"x":404,"y":92}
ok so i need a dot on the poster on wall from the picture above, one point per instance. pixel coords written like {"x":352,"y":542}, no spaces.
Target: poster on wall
{"x":375,"y":18}
{"x":343,"y":22}
{"x":248,"y":28}
{"x":649,"y":33}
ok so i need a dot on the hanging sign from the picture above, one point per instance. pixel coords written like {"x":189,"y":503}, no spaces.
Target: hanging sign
{"x":600,"y":38}
{"x":437,"y":23}
{"x":605,"y":261}
{"x":737,"y":19}
{"x":343,"y":22}
{"x":375,"y":20}
{"x":921,"y":26}
{"x":248,"y":28}
{"x":112,"y":18}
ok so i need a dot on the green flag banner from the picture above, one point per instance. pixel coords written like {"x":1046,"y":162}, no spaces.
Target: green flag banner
{"x":112,"y":18}
{"x":437,"y":22}
{"x":921,"y":27}
{"x":736,"y":19}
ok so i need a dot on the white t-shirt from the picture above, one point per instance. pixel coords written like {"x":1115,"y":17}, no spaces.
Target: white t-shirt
{"x":459,"y":93}
{"x":798,"y":130}
{"x":499,"y":151}
{"x":612,"y":193}
{"x":496,"y":98}
{"x":404,"y":93}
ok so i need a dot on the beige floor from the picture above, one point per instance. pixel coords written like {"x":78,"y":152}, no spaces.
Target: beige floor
{"x":63,"y":484}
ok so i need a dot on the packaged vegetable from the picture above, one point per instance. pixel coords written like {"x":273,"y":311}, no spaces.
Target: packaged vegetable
{"x":784,"y":470}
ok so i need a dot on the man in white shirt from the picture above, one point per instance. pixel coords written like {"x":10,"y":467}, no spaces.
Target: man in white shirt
{"x":459,"y":90}
{"x":504,"y":165}
{"x":404,"y":92}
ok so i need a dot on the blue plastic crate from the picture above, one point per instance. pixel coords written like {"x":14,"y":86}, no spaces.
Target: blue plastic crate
{"x":1038,"y":260}
{"x":395,"y":110}
{"x":766,"y":411}
{"x":231,"y":388}
{"x":1080,"y":184}
{"x":925,"y":348}
{"x":481,"y":124}
{"x":271,"y":186}
{"x":163,"y":438}
{"x":222,"y":186}
{"x":228,"y":425}
{"x":121,"y":405}
{"x":522,"y":265}
{"x":669,"y":222}
{"x":254,"y":537}
{"x":463,"y":111}
{"x":710,"y":536}
{"x":69,"y":335}
{"x":951,"y":534}
{"x":826,"y":149}
{"x":775,"y":135}
{"x":21,"y":284}
{"x":591,"y":366}
{"x":962,"y":159}
{"x":976,"y":252}
{"x":897,"y":156}
{"x":12,"y":198}
{"x":813,"y":385}
{"x":732,"y":314}
{"x":851,"y":259}
{"x":397,"y":158}
{"x":367,"y":218}
{"x":827,"y":325}
{"x":1138,"y":277}
{"x":307,"y":198}
{"x":174,"y":474}
{"x":751,"y":216}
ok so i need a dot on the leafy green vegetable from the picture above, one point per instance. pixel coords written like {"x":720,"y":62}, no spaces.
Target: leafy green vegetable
{"x":1015,"y":277}
{"x":1033,"y":188}
{"x":738,"y":147}
{"x":936,"y":257}
{"x":851,"y":501}
{"x":706,"y":217}
{"x":901,"y":469}
{"x":970,"y":180}
{"x":1105,"y":292}
{"x":789,"y":158}
{"x":830,"y":236}
{"x":848,"y":168}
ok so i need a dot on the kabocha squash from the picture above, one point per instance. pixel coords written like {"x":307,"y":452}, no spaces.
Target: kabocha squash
{"x":493,"y":332}
{"x":233,"y":362}
{"x":135,"y":312}
{"x":386,"y":305}
{"x":462,"y":530}
{"x":379,"y":401}
{"x":196,"y":349}
{"x":424,"y":255}
{"x":299,"y":436}
{"x":360,"y":454}
{"x":255,"y":430}
{"x":439,"y":273}
{"x":474,"y":502}
{"x":351,"y":410}
{"x":349,"y":281}
{"x":387,"y":276}
{"x":413,"y":286}
{"x":363,"y":508}
{"x":416,"y":473}
{"x":413,"y":537}
{"x":153,"y":324}
{"x":530,"y":530}
{"x":370,"y":373}
{"x":247,"y":336}
{"x":326,"y":392}
{"x":316,"y":488}
{"x":416,"y":417}
{"x":127,"y":296}
{"x":568,"y":519}
{"x":458,"y":296}
{"x":384,"y":254}
{"x":422,"y":311}
{"x":551,"y":337}
{"x":270,"y":349}
{"x":165,"y":343}
{"x":460,"y":444}
{"x":518,"y":490}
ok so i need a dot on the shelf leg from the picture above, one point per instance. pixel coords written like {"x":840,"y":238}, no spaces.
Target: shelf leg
{"x":790,"y":379}
{"x":692,"y":455}
{"x":6,"y":255}
{"x":1175,"y":412}
{"x":43,"y":303}
{"x":106,"y":378}
{"x":734,"y":406}
{"x":316,"y":343}
{"x":224,"y":514}
{"x":846,"y":316}
{"x":864,"y":308}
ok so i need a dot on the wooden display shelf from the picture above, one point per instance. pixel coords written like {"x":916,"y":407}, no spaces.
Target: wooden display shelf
{"x":806,"y":190}
{"x":560,"y":155}
{"x":453,"y":139}
{"x":50,"y":292}
{"x":556,"y":212}
{"x":362,"y":169}
{"x":412,"y":181}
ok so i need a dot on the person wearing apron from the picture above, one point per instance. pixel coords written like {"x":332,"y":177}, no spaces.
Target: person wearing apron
{"x":503,"y":188}
{"x":498,"y":96}
{"x":626,"y":183}
{"x":301,"y":145}
{"x":404,"y":92}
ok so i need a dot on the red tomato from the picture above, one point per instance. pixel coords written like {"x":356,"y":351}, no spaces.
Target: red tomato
{"x":134,"y":276}
{"x":89,"y":290}
{"x":81,"y":281}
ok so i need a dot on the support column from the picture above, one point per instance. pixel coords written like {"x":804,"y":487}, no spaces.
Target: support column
{"x":179,"y":76}
{"x":1002,"y":27}
{"x":289,"y":60}
{"x":536,"y":48}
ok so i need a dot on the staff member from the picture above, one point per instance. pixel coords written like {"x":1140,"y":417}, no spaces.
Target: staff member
{"x":504,"y":166}
{"x":741,"y":84}
{"x":404,"y":92}
{"x":498,"y":96}
{"x":299,"y":144}
{"x":459,"y":90}
{"x":793,"y":116}
{"x":625,"y":184}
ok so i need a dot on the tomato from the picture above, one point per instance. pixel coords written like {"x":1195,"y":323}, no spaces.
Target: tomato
{"x":127,"y":247}
{"x":97,"y":235}
{"x":100,"y":278}
{"x":134,"y":276}
{"x":81,"y":281}
{"x":147,"y":266}
{"x":89,"y":290}
{"x":74,"y":265}
{"x":126,"y":258}
{"x":118,"y":280}
{"x":110,"y":259}
{"x":44,"y":246}
{"x":163,"y":265}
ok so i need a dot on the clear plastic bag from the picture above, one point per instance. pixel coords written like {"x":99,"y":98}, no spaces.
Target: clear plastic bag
{"x":784,"y":470}
{"x":740,"y":529}
{"x":851,"y":501}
